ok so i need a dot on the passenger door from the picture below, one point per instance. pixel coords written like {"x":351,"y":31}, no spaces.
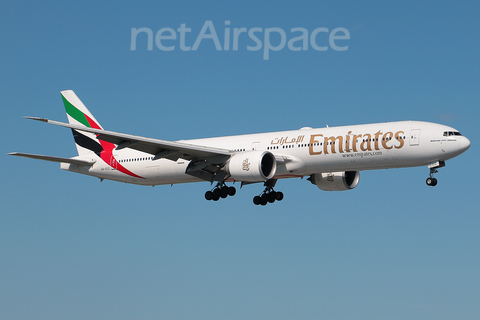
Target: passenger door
{"x":415,"y":137}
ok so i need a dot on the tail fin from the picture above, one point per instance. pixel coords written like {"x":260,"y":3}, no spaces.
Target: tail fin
{"x":78,"y":114}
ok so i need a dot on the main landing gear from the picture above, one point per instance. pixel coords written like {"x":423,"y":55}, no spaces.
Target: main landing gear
{"x":220,"y":191}
{"x":268,"y":195}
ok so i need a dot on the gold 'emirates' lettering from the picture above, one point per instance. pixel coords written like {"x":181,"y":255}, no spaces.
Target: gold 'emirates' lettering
{"x":313,"y":141}
{"x":377,"y":136}
{"x":367,"y":142}
{"x":331,"y":141}
{"x":366,"y":145}
{"x":347,"y":144}
{"x":399,"y":137}
{"x":355,"y":138}
{"x":387,"y":137}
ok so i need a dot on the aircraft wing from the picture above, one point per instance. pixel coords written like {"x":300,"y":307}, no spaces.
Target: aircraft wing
{"x":159,"y":148}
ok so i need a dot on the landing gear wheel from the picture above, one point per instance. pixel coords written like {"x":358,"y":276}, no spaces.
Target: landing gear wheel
{"x":232,"y":191}
{"x":279,"y":196}
{"x":271,"y":197}
{"x":224,"y":192}
{"x":209,"y":195}
{"x":432,"y":182}
{"x":256,"y":200}
{"x":263,"y":201}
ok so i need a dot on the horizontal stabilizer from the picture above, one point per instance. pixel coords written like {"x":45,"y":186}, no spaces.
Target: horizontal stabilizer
{"x":54,"y":159}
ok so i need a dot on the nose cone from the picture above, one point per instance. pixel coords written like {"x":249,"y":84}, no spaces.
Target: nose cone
{"x":464,"y":144}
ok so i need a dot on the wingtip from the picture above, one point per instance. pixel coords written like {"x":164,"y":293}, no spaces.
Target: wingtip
{"x":36,"y":118}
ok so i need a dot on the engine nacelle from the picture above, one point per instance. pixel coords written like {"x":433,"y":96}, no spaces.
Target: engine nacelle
{"x":336,"y":181}
{"x":252,"y":166}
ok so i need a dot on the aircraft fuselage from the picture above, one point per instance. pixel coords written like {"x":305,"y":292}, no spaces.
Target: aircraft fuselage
{"x":306,"y":151}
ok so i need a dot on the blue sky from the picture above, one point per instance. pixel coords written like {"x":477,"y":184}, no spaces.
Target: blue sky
{"x":393,"y":248}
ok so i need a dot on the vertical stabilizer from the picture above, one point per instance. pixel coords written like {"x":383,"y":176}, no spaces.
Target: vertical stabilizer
{"x":77,"y":113}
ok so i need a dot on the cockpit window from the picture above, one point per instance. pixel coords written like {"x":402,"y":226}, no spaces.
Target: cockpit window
{"x":451,"y":133}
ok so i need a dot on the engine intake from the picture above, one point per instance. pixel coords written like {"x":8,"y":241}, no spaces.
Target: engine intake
{"x":335,"y":181}
{"x":252,"y":166}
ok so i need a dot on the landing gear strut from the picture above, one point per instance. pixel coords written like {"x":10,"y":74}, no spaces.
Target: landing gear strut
{"x":220,"y":191}
{"x":268,"y":195}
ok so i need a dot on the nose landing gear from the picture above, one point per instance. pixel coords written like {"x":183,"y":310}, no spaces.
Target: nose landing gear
{"x":431,"y":181}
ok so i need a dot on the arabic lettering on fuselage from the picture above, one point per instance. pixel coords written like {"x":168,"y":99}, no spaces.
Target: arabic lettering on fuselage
{"x":285,"y":140}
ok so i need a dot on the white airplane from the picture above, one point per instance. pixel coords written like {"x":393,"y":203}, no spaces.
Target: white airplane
{"x":330,"y":157}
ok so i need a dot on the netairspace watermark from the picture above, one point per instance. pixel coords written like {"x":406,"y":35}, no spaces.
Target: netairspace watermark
{"x":299,"y":39}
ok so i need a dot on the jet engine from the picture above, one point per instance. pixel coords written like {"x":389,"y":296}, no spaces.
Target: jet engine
{"x":335,"y":181}
{"x":252,"y":166}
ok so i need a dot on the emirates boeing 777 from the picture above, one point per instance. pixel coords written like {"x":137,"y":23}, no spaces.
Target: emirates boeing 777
{"x":330,"y":157}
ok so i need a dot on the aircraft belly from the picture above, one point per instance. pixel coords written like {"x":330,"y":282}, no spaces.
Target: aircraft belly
{"x":168,"y":172}
{"x":99,"y":171}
